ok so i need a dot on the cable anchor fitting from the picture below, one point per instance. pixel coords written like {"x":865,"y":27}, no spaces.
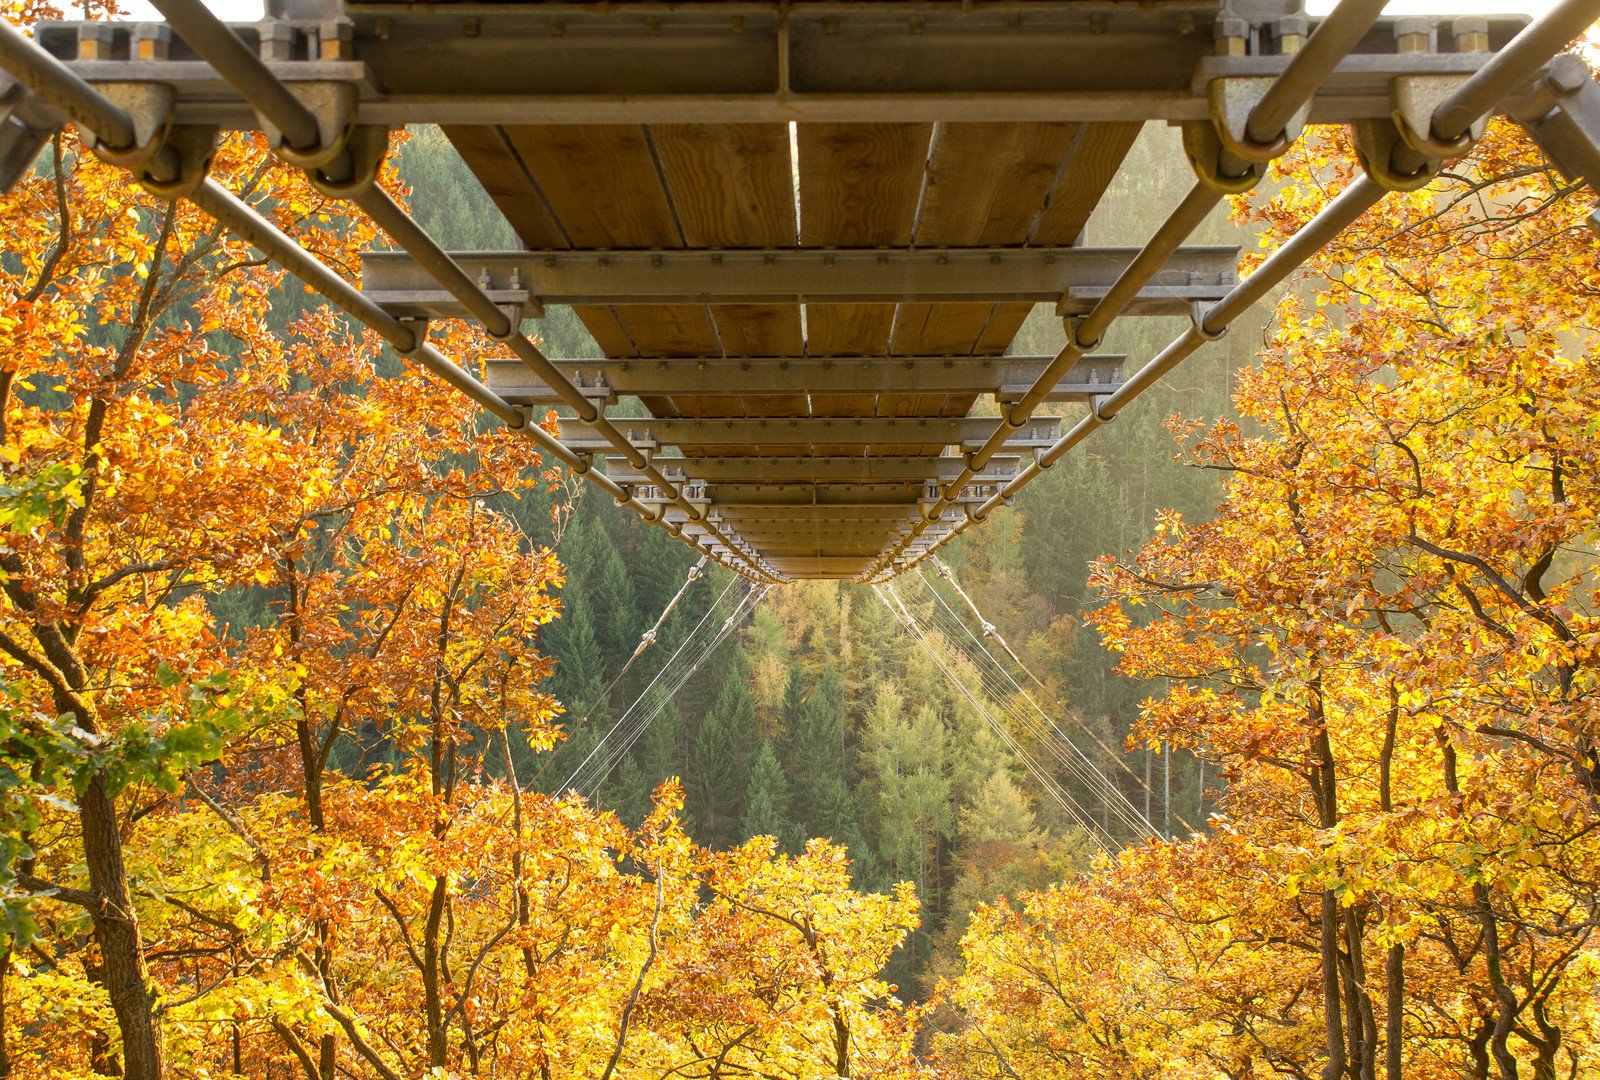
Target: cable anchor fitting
{"x":168,"y":160}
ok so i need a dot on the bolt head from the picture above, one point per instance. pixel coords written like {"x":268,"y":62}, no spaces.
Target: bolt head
{"x":1567,"y":74}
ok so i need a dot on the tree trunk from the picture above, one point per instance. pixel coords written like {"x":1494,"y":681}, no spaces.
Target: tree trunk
{"x":116,"y":927}
{"x":1394,"y":1012}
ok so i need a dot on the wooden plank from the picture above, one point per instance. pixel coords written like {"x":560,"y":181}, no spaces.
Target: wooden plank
{"x":732,"y":184}
{"x":758,"y":329}
{"x":608,"y":333}
{"x":860,"y":183}
{"x":848,"y":329}
{"x":938,"y":329}
{"x":670,"y":329}
{"x":491,"y":159}
{"x":1094,"y":162}
{"x":1004,"y":322}
{"x":988,"y":182}
{"x":601,"y":182}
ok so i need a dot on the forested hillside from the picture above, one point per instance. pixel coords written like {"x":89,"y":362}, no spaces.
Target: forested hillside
{"x":825,"y":718}
{"x":322,"y":751}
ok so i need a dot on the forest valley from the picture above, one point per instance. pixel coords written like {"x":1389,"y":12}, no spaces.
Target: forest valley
{"x":299,"y":653}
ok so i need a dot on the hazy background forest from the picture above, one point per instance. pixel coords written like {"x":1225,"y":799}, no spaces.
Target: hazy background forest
{"x":823,"y":717}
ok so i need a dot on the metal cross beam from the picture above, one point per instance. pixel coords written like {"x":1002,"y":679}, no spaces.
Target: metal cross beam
{"x":808,"y":431}
{"x":859,"y":469}
{"x":1005,"y":376}
{"x":730,"y":498}
{"x":1074,"y":277}
{"x":765,"y":61}
{"x":890,"y":515}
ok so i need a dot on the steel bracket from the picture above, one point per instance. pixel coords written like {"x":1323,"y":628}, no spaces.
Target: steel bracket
{"x":1197,"y":318}
{"x":1375,"y":143}
{"x":1225,"y":137}
{"x":168,"y":160}
{"x":1561,"y":110}
{"x":1230,"y":102}
{"x":1203,"y":147}
{"x":356,"y":166}
{"x":333,"y":104}
{"x":1412,"y":101}
{"x":149,"y":106}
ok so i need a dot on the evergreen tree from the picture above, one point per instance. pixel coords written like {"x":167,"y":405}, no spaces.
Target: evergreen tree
{"x":766,"y":811}
{"x":617,"y":627}
{"x":716,"y":783}
{"x":814,"y":750}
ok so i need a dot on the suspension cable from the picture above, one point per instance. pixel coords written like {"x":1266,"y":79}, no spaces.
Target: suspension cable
{"x":1075,"y":810}
{"x":990,"y":632}
{"x":1047,"y":735}
{"x":643,"y":712}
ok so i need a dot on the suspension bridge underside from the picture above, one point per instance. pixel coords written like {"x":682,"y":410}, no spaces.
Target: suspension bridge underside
{"x":804,"y":233}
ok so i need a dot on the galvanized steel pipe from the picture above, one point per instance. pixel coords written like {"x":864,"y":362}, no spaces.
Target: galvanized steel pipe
{"x":242,"y":69}
{"x":1513,"y":66}
{"x":60,"y":86}
{"x":1333,"y":219}
{"x":245,"y":72}
{"x":1330,"y":43}
{"x":84,"y":105}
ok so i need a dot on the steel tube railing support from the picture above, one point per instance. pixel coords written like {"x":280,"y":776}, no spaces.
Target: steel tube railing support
{"x":242,"y":69}
{"x":113,"y":127}
{"x":1513,"y":66}
{"x":1330,"y":43}
{"x":1333,"y":39}
{"x":60,"y":86}
{"x":245,"y":72}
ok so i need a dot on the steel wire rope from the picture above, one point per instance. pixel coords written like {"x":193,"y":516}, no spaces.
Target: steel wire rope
{"x":751,"y":598}
{"x":620,"y":752}
{"x":651,"y":685}
{"x":646,"y":716}
{"x":946,"y":573}
{"x":1093,"y":781}
{"x":643,"y":712}
{"x":1045,"y":717}
{"x":1079,"y":814}
{"x":636,"y":719}
{"x":907,"y":621}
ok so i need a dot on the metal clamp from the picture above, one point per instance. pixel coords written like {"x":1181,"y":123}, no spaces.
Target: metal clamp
{"x":1197,"y":318}
{"x":1412,"y":101}
{"x":168,"y":160}
{"x":333,"y":104}
{"x":419,"y":340}
{"x":1231,"y":101}
{"x":1375,"y":142}
{"x":1226,"y":134}
{"x":363,"y":153}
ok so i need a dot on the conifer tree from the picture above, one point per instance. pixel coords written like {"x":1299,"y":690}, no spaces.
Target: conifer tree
{"x":814,"y":748}
{"x":716,"y":783}
{"x":766,"y":811}
{"x":616,"y":616}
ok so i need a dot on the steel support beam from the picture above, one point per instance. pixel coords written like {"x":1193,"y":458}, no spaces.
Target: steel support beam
{"x":860,"y":469}
{"x":763,"y":62}
{"x":807,"y":431}
{"x":732,"y":498}
{"x":932,"y":275}
{"x":1006,"y":377}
